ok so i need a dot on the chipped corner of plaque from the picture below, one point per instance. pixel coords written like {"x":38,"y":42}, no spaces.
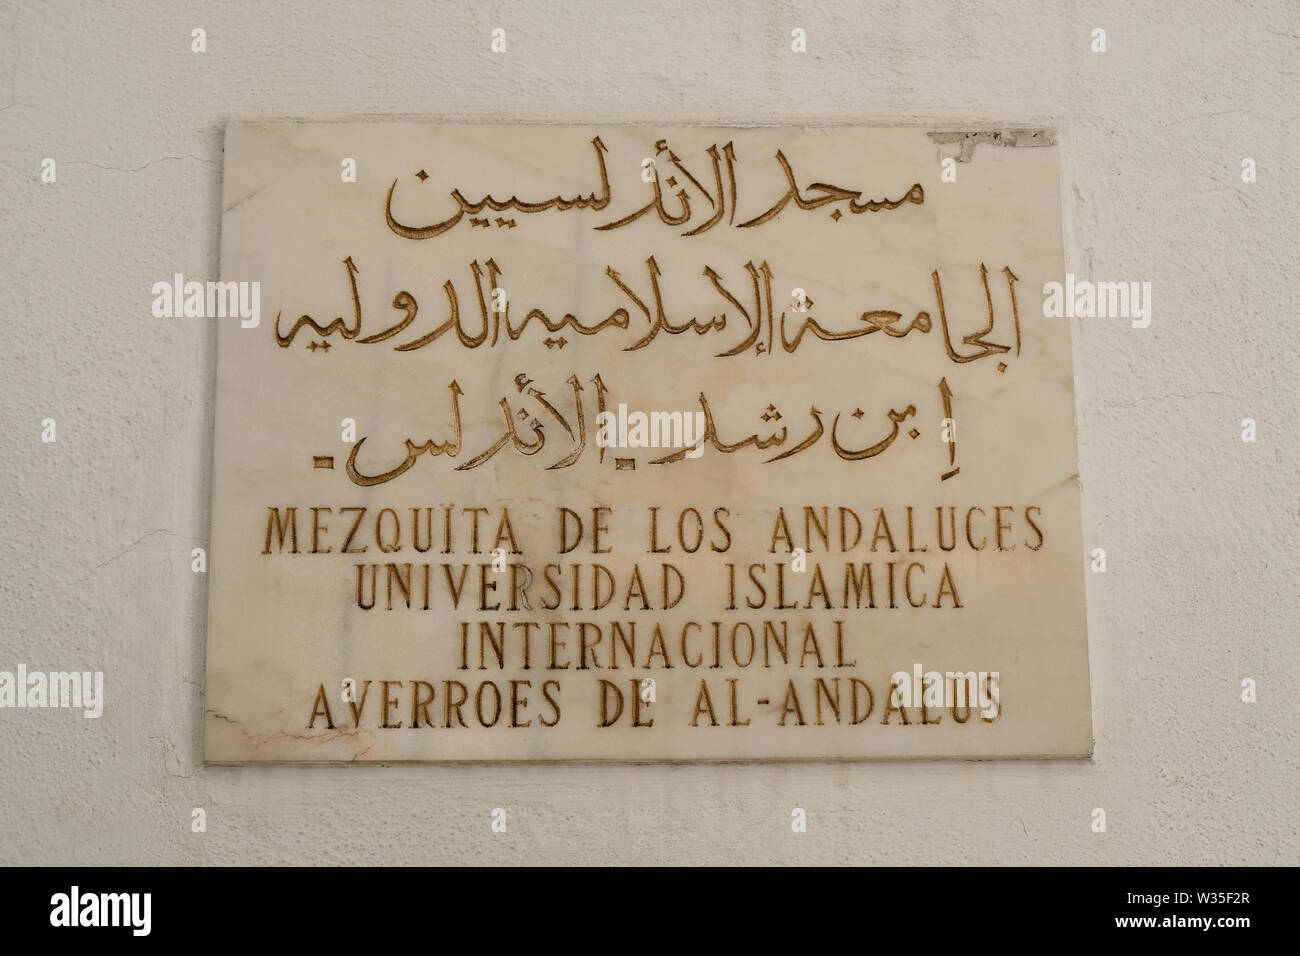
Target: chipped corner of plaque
{"x":960,"y":144}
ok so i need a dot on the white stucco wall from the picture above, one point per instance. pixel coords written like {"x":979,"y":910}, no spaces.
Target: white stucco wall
{"x":1199,"y":528}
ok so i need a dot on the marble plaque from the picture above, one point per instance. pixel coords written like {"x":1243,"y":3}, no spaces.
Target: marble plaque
{"x":642,"y":443}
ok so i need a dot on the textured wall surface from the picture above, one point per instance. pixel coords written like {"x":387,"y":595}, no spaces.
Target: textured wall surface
{"x":1199,"y":528}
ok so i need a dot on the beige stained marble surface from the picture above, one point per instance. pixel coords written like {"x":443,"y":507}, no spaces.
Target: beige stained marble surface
{"x":653,"y":310}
